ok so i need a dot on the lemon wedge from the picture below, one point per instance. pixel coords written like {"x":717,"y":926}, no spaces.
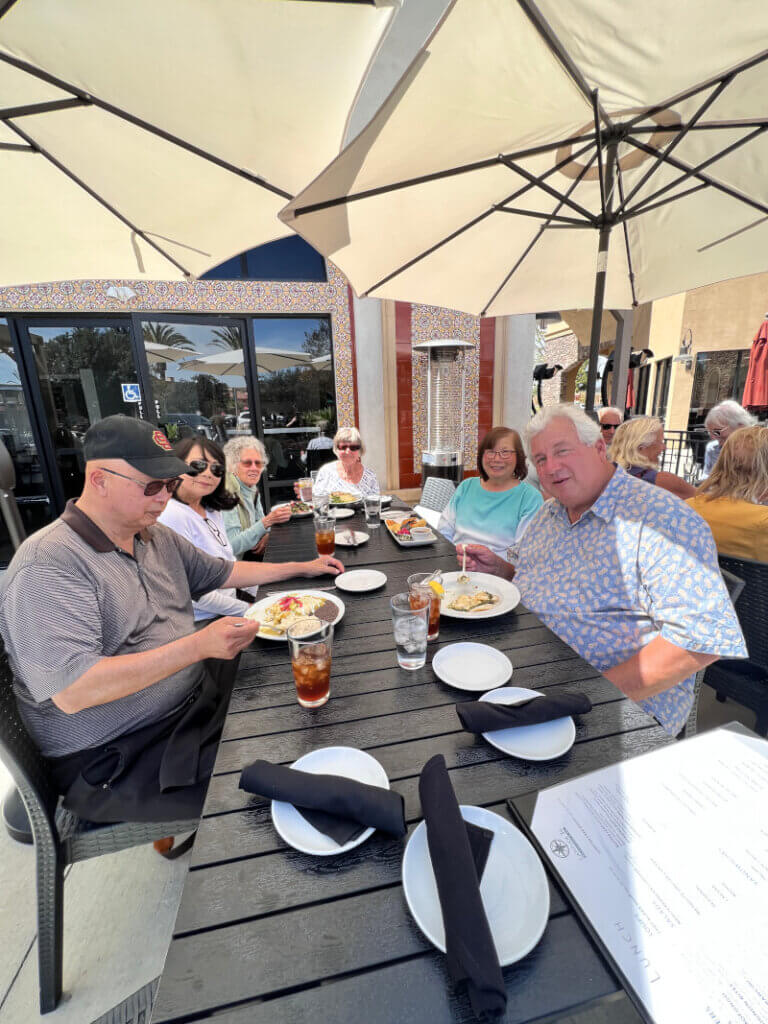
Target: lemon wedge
{"x":437,"y":588}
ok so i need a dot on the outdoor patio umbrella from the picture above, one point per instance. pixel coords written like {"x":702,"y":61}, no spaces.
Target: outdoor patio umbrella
{"x":229,"y":364}
{"x":524,"y":139}
{"x":756,"y":385}
{"x":155,"y":140}
{"x":167,"y":353}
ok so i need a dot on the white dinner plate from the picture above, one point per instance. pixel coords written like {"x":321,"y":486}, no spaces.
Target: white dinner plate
{"x":514,"y":888}
{"x":529,"y":742}
{"x":357,"y":581}
{"x":346,"y":504}
{"x":341,"y":513}
{"x":294,"y":515}
{"x":508,"y":592}
{"x":470,"y":666}
{"x":342,"y":538}
{"x":350,"y":764}
{"x":386,"y":499}
{"x":259,"y":607}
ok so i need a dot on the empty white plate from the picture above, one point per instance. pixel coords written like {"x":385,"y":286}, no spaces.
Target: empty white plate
{"x":345,"y":761}
{"x":341,"y":513}
{"x":530,"y":742}
{"x":470,"y":666}
{"x":342,"y":538}
{"x":357,"y":581}
{"x":514,"y":888}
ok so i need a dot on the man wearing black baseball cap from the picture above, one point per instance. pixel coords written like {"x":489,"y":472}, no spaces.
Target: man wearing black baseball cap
{"x":119,"y":691}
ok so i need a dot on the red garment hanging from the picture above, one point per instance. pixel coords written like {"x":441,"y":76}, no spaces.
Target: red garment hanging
{"x":756,"y":384}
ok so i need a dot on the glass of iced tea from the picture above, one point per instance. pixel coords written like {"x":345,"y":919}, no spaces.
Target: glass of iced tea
{"x":325,"y":534}
{"x":309,"y":642}
{"x":422,"y":594}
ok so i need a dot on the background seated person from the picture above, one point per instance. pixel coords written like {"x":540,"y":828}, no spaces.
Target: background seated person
{"x":247,"y":525}
{"x":321,"y":441}
{"x":195,"y":512}
{"x":734,"y":498}
{"x":610,"y":419}
{"x":348,"y":475}
{"x":494,"y":508}
{"x":121,"y":694}
{"x":637,"y":446}
{"x":624,"y":573}
{"x":721,"y":421}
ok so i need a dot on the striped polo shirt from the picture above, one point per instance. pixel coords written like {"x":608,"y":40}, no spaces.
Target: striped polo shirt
{"x":71,"y":597}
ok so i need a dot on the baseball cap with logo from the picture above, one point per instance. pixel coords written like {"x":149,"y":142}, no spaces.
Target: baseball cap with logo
{"x":142,"y":445}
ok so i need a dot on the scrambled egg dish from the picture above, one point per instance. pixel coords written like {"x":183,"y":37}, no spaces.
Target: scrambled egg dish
{"x":280,"y":616}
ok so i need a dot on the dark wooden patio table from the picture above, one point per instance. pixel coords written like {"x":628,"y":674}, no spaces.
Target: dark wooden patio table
{"x":265,"y":934}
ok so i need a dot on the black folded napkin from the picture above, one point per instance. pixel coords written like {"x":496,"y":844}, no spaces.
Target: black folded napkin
{"x":471,"y":954}
{"x":480,"y":716}
{"x":340,"y":808}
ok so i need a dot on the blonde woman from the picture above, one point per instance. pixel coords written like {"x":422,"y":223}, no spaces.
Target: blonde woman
{"x":637,"y":446}
{"x":348,"y":475}
{"x":734,"y":498}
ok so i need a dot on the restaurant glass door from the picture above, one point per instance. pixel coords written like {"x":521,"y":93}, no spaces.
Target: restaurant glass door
{"x":82,"y":372}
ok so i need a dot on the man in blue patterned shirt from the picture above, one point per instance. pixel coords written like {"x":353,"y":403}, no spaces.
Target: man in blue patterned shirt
{"x":624,"y":572}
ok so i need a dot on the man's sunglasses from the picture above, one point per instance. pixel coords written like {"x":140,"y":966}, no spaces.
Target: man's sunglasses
{"x":153,"y":487}
{"x":348,"y":447}
{"x":609,"y":426}
{"x":200,"y":466}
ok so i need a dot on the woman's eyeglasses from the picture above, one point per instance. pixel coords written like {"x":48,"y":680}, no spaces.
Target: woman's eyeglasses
{"x":500,"y":453}
{"x":153,"y":487}
{"x":216,"y":531}
{"x":200,"y":466}
{"x":348,"y":447}
{"x":251,"y":462}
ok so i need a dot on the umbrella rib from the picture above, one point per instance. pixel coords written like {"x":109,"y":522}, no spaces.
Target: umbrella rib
{"x":470,"y":224}
{"x":5,"y":7}
{"x":738,"y":69}
{"x":146,"y":126}
{"x":94,"y":195}
{"x":630,"y":269}
{"x":707,"y":126}
{"x":16,"y":147}
{"x":537,"y":237}
{"x":643,"y":208}
{"x":41,"y":108}
{"x":678,"y":138}
{"x":695,"y":172}
{"x":598,"y":133}
{"x":567,"y":221}
{"x":437,"y":175}
{"x":538,"y":181}
{"x":544,"y":29}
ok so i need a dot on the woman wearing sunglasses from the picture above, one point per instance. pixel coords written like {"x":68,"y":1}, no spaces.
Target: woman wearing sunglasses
{"x":247,"y":525}
{"x":348,"y":475}
{"x":195,"y":512}
{"x":721,"y":422}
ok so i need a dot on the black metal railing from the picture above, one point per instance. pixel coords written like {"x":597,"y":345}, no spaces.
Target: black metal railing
{"x":684,"y":453}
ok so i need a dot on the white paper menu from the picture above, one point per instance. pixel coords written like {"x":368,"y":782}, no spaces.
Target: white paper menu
{"x":667,"y":855}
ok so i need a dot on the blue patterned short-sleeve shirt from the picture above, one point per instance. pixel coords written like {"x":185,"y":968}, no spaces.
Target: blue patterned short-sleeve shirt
{"x":639,"y":564}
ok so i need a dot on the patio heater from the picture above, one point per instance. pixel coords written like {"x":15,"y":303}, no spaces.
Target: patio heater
{"x":446,"y":385}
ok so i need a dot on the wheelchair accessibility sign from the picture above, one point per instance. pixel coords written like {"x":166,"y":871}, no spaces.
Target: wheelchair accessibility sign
{"x":131,"y":392}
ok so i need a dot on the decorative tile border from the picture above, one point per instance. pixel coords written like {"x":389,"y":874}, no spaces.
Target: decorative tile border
{"x":299,"y":298}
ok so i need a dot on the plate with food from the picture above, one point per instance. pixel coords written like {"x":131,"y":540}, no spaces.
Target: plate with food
{"x":299,"y":509}
{"x":412,"y":531}
{"x":484,"y":597}
{"x":279,"y":612}
{"x":342,"y":499}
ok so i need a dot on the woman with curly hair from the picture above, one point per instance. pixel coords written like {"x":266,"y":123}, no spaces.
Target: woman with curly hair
{"x":637,"y":446}
{"x":734,"y":498}
{"x":247,"y":525}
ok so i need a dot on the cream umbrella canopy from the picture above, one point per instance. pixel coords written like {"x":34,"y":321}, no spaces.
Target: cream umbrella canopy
{"x":227,"y":364}
{"x":526,"y":140}
{"x":156,"y":140}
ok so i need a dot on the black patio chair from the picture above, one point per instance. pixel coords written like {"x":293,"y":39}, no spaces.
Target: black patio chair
{"x":317,"y":457}
{"x":744,"y":681}
{"x":60,"y":837}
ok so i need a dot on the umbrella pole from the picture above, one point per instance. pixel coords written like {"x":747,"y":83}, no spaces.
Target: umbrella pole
{"x":602,"y":268}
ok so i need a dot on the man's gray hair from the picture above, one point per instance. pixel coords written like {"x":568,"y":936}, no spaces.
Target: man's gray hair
{"x":233,"y":451}
{"x":729,"y":414}
{"x":610,"y":408}
{"x":588,"y":431}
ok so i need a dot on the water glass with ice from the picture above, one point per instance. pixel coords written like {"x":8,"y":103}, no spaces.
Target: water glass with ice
{"x":410,"y":628}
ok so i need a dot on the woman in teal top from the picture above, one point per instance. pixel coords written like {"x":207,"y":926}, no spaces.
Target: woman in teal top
{"x":495,"y":508}
{"x":246,"y":524}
